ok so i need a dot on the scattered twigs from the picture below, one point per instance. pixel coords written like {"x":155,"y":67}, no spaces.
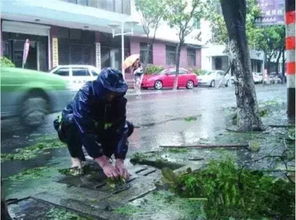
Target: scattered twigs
{"x":208,"y":146}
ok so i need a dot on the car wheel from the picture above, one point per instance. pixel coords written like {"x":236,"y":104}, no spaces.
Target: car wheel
{"x":33,"y":110}
{"x":212,"y":84}
{"x":158,"y":85}
{"x":189,"y":84}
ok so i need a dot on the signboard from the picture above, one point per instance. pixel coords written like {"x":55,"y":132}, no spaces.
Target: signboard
{"x":55,"y":52}
{"x":272,"y":12}
{"x":98,"y":56}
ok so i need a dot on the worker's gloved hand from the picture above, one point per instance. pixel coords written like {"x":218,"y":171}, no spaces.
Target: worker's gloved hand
{"x":109,"y":170}
{"x":122,"y":171}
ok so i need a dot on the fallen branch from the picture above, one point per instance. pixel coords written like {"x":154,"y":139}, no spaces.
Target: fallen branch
{"x":207,"y":146}
{"x":282,"y":126}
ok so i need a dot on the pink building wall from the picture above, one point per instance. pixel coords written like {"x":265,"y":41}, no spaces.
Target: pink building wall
{"x":159,"y":53}
{"x":159,"y":57}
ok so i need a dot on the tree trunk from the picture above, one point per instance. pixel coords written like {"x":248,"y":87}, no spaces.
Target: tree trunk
{"x":278,"y":61}
{"x":283,"y":66}
{"x":146,"y":58}
{"x":178,"y":53}
{"x":234,"y":13}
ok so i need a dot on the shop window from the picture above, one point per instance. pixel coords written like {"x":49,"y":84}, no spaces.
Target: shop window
{"x":143,"y":52}
{"x":170,"y":55}
{"x":75,"y":34}
{"x":80,"y":72}
{"x":191,"y":57}
{"x":218,"y":63}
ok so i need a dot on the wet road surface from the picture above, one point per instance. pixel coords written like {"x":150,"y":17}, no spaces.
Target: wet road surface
{"x":159,"y":117}
{"x":163,"y":110}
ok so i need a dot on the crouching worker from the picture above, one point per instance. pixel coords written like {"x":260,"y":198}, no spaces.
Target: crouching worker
{"x":96,"y":119}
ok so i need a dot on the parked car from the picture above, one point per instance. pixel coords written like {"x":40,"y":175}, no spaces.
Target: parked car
{"x":272,"y":78}
{"x":215,"y":78}
{"x":257,"y":77}
{"x":166,"y":78}
{"x":77,"y":75}
{"x":31,"y":94}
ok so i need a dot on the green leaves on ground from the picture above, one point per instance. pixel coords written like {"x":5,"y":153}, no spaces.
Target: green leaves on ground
{"x":33,"y":151}
{"x":191,"y":118}
{"x":29,"y":174}
{"x":63,"y":214}
{"x":235,"y":192}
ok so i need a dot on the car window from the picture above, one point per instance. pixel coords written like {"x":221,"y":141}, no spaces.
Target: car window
{"x":182,"y":71}
{"x":62,"y":72}
{"x":80,"y":72}
{"x":163,"y":71}
{"x":172,"y":72}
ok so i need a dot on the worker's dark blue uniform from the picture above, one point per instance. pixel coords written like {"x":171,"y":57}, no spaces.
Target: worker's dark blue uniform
{"x":96,"y":123}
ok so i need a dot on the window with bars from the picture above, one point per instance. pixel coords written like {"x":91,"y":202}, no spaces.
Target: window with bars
{"x":170,"y":55}
{"x":143,"y":52}
{"x":191,"y":57}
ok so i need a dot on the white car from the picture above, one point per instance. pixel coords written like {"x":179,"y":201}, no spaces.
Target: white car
{"x":258,"y":77}
{"x":77,"y":75}
{"x":214,"y":78}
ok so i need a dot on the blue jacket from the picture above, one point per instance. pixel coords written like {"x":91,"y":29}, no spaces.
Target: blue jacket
{"x":96,"y":118}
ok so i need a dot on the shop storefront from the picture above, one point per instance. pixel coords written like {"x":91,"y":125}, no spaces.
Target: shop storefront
{"x":14,"y":35}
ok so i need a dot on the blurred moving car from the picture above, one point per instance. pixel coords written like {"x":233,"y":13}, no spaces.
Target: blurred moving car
{"x":166,"y":78}
{"x":215,"y":78}
{"x":257,"y":77}
{"x":31,"y":94}
{"x":77,"y":75}
{"x":272,"y":78}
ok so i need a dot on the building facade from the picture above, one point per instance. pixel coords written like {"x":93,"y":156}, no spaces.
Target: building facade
{"x":64,"y":32}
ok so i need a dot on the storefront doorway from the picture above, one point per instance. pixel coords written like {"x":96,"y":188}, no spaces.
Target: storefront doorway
{"x":14,"y":35}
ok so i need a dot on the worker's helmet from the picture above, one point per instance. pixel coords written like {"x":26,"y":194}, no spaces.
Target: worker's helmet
{"x":113,"y":81}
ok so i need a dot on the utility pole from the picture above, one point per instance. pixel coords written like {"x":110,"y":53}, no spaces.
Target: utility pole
{"x":290,"y":63}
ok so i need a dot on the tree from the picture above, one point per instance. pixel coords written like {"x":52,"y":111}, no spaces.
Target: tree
{"x":152,"y":12}
{"x":234,"y":13}
{"x":219,"y":31}
{"x":271,"y":40}
{"x":182,"y":15}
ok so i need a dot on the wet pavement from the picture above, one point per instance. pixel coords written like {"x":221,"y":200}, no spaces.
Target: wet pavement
{"x":182,"y":117}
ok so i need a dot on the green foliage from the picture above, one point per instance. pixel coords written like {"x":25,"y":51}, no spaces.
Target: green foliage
{"x":235,"y":192}
{"x":128,"y":210}
{"x":63,"y":214}
{"x":73,"y":171}
{"x":270,"y":39}
{"x":5,"y":62}
{"x":190,"y":118}
{"x":150,"y":69}
{"x":116,"y":183}
{"x":183,"y":16}
{"x":33,"y":151}
{"x":177,"y":150}
{"x":29,"y":174}
{"x":154,"y":160}
{"x":254,"y":146}
{"x":152,"y":12}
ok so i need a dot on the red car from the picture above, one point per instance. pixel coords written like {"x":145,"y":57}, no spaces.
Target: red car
{"x":165,"y":79}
